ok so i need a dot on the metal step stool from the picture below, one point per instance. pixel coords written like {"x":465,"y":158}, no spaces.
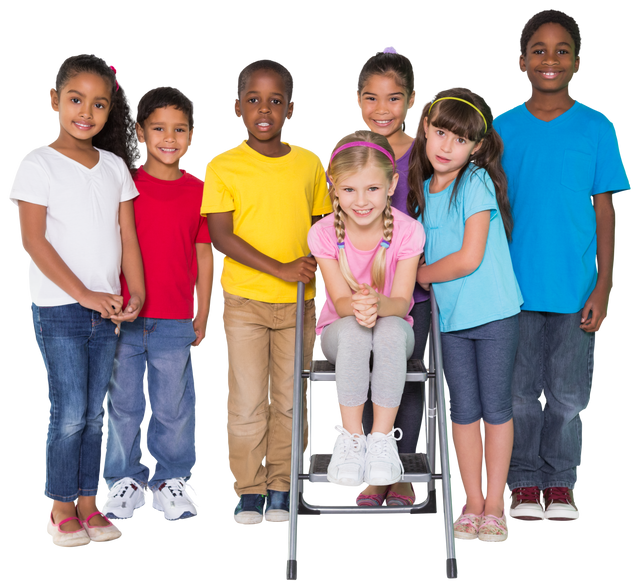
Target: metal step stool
{"x":418,"y":467}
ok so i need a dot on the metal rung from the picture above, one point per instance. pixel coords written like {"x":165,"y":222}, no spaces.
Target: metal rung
{"x":322,"y":370}
{"x":416,"y":467}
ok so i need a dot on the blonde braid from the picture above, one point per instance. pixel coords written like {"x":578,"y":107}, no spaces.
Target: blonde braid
{"x":380,"y":261}
{"x":338,"y":224}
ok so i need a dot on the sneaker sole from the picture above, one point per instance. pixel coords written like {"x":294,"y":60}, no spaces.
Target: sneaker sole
{"x":276,"y":515}
{"x":464,"y":535}
{"x":248,"y":518}
{"x":111,"y":515}
{"x":493,"y":538}
{"x":561,"y":515}
{"x":520,"y":515}
{"x":185,"y":514}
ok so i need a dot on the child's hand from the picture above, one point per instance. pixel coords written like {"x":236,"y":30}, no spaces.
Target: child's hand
{"x":200,"y":328}
{"x":107,"y":304}
{"x":130,"y":313}
{"x":597,"y":306}
{"x":302,"y":269}
{"x":365,"y":305}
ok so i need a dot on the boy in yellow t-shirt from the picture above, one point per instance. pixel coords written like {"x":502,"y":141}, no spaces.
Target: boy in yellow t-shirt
{"x":261,"y":199}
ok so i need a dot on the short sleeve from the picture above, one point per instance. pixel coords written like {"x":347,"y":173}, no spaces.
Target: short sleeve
{"x":479,"y":195}
{"x":31,"y":184}
{"x":216,"y":197}
{"x":203,"y":232}
{"x":412,"y":242}
{"x":129,"y":190}
{"x":322,"y":241}
{"x":321,"y":200}
{"x":610,"y":175}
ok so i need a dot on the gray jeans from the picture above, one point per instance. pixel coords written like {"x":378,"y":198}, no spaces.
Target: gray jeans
{"x":348,"y":345}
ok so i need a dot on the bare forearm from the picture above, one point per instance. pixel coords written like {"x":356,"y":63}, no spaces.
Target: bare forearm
{"x":204,"y":282}
{"x":446,"y":269}
{"x":239,"y":250}
{"x":132,"y":267}
{"x":393,"y":307}
{"x":605,"y":234}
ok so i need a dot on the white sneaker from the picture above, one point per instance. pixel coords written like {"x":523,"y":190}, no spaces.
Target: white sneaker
{"x":124,"y":497}
{"x":172,"y":499}
{"x":347,"y":462}
{"x":382,"y":465}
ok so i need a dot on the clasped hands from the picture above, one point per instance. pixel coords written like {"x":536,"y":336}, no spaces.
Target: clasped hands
{"x":365,"y":304}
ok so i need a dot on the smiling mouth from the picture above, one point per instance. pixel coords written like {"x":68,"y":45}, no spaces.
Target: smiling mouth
{"x":443,"y":160}
{"x":382,"y":122}
{"x":362,"y":213}
{"x":264,"y":125}
{"x":82,"y":126}
{"x":168,"y":150}
{"x":550,"y":74}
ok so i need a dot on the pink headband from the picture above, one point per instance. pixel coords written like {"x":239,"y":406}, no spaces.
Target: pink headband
{"x":368,"y":145}
{"x":114,"y":74}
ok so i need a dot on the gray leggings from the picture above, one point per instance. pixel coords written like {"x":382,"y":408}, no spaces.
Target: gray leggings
{"x":348,"y":345}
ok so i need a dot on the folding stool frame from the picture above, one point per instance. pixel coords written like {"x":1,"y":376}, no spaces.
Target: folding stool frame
{"x":435,"y":414}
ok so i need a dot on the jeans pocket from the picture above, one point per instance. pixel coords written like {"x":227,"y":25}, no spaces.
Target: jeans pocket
{"x":234,"y":301}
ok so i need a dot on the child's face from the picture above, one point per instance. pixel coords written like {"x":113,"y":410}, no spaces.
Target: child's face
{"x":83,"y":104}
{"x":447,"y":151}
{"x":264,"y":105}
{"x":363,"y":195}
{"x":167,"y":135}
{"x":550,"y":61}
{"x":384,"y":104}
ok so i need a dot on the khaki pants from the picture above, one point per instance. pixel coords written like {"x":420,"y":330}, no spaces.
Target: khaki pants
{"x":261,"y":341}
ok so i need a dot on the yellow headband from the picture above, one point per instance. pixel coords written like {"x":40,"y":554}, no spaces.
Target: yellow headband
{"x":463,"y":101}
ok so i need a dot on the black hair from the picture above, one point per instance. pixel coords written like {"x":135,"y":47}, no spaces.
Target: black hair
{"x":463,"y":120}
{"x":388,"y":64}
{"x":266,"y":65}
{"x":546,"y":17}
{"x":164,"y":97}
{"x":118,"y":135}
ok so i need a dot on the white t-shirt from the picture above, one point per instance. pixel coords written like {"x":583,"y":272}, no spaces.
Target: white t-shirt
{"x":82,"y":218}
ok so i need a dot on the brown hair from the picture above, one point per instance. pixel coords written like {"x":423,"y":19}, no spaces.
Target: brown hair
{"x":462,"y":120}
{"x":348,"y":162}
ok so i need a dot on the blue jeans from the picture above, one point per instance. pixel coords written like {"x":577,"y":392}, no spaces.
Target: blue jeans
{"x":78,"y":347}
{"x":478,"y":365}
{"x":164,"y":346}
{"x":555,"y":356}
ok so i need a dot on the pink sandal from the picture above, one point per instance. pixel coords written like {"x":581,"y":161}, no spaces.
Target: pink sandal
{"x":395,"y":499}
{"x":67,"y":538}
{"x":371,"y":499}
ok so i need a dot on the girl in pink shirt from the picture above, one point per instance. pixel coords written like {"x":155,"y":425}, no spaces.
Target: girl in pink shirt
{"x":368,"y":254}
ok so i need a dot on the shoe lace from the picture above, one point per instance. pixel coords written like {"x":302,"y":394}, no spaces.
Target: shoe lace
{"x":557,"y":494}
{"x":351,"y":445}
{"x":177,"y":488}
{"x":529,"y":494}
{"x":119,"y":489}
{"x":381,"y":448}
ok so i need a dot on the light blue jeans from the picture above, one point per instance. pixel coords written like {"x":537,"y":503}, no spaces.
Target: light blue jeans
{"x":555,"y":357}
{"x":78,"y":347}
{"x":163,"y":347}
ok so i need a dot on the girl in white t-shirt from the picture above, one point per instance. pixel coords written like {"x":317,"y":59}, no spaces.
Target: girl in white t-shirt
{"x":76,"y":216}
{"x":368,"y":254}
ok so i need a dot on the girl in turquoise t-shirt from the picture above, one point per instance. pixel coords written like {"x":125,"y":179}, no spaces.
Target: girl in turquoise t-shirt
{"x":459,"y":191}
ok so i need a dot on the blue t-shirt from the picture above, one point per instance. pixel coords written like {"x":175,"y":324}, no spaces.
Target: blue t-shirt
{"x":553,"y":169}
{"x":491,"y":292}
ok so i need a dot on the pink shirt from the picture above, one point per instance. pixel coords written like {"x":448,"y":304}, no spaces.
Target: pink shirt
{"x":407,"y":241}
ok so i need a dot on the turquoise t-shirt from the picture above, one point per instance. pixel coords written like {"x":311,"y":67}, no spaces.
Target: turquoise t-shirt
{"x":554,"y":168}
{"x":491,"y":292}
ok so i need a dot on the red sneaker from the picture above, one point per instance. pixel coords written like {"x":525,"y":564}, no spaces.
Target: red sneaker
{"x":525,"y":504}
{"x":559,"y":504}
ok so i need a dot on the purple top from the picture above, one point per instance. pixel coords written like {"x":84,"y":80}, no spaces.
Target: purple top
{"x":399,"y":201}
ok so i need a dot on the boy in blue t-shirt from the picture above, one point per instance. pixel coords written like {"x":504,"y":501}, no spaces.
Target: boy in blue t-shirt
{"x":563,"y":165}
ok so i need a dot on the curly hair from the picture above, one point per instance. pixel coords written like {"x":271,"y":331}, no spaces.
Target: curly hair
{"x":546,"y":17}
{"x":346,"y":163}
{"x":463,"y":120}
{"x":266,"y":65}
{"x":118,"y":135}
{"x":164,"y":97}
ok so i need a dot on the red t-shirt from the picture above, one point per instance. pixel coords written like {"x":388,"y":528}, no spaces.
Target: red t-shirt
{"x":168,"y":224}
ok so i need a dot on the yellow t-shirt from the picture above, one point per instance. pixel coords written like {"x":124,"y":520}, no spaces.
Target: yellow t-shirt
{"x":273,"y":200}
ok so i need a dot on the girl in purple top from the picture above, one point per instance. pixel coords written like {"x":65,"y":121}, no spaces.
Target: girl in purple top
{"x":385,"y":94}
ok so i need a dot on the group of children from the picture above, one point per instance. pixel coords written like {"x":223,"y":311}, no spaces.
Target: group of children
{"x":480,"y":211}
